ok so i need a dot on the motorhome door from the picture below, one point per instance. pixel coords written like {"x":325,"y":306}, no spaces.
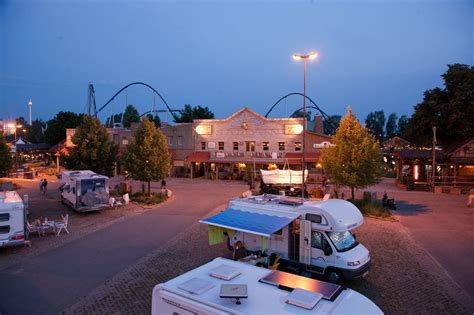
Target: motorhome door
{"x":305,"y":242}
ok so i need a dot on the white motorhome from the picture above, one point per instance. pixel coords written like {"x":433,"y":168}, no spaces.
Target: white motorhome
{"x":84,"y":190}
{"x":12,"y":219}
{"x":310,"y":236}
{"x":223,"y":286}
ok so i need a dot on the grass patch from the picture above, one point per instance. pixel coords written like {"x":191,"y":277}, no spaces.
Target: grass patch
{"x":153,"y":199}
{"x":374,"y":208}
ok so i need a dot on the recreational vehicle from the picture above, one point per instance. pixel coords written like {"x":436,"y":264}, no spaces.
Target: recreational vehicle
{"x":12,"y":219}
{"x":309,"y":236}
{"x":84,"y":190}
{"x":224,"y":286}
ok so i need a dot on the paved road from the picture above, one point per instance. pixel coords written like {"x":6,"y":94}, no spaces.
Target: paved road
{"x":442,"y":224}
{"x":57,"y":278}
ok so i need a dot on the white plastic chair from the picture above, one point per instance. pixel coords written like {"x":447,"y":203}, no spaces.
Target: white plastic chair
{"x":126,"y":198}
{"x":326,"y":197}
{"x":34,"y":228}
{"x":62,"y":225}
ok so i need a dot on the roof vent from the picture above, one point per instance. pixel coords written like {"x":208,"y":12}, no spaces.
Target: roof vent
{"x":303,"y":298}
{"x":196,"y":286}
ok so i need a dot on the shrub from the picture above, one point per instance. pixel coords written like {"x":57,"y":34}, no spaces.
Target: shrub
{"x":374,"y":208}
{"x":153,"y":199}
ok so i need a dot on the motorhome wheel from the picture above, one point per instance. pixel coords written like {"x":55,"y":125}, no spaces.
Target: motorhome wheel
{"x":334,"y":276}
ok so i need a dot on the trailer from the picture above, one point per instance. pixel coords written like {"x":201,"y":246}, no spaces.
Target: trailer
{"x":12,"y":219}
{"x":84,"y":190}
{"x":223,"y":286}
{"x":312,"y":237}
{"x":287,"y":182}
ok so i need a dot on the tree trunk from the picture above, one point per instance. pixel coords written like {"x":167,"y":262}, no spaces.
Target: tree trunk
{"x":352,"y":191}
{"x":149,"y":188}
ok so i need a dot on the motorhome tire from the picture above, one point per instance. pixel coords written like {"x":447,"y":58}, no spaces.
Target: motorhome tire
{"x":334,"y":276}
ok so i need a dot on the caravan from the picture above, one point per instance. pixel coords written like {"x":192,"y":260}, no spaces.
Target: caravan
{"x":223,"y":286}
{"x":312,"y":237}
{"x":12,"y":219}
{"x":84,"y":190}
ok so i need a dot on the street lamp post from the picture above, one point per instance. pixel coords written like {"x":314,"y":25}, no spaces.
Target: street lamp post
{"x":305,"y":58}
{"x":16,"y":146}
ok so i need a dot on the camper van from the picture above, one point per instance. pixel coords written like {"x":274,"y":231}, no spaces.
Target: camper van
{"x":309,"y":236}
{"x":84,"y":190}
{"x":12,"y":219}
{"x":224,"y":286}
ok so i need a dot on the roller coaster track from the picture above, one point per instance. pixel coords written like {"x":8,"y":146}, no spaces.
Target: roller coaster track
{"x":171,"y":111}
{"x":313,"y":105}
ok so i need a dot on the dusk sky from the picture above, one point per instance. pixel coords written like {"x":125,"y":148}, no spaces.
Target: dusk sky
{"x":373,"y":55}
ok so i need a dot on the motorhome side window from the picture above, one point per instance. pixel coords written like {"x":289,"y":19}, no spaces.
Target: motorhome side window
{"x":314,"y":218}
{"x":316,"y":239}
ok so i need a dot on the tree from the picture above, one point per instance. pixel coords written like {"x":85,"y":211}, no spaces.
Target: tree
{"x":35,"y":132}
{"x":154,"y":119}
{"x":191,"y":113}
{"x":391,"y":126}
{"x":402,"y":125}
{"x":6,"y":161}
{"x":56,"y":127}
{"x":92,"y":148}
{"x":330,"y":125}
{"x":130,"y":115}
{"x":356,"y":160}
{"x":146,"y":157}
{"x":375,"y":122}
{"x":450,"y":109}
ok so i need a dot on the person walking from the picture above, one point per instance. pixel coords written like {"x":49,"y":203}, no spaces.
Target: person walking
{"x":163,"y":184}
{"x":41,"y":185}
{"x":45,"y":184}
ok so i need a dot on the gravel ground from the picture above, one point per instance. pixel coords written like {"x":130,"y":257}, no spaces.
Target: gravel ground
{"x":403,"y":279}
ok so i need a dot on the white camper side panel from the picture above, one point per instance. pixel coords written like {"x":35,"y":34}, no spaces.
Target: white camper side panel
{"x":305,"y":242}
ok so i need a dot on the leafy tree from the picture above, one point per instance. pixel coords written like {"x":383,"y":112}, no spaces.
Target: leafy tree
{"x":450,"y":109}
{"x":34,"y":133}
{"x":56,"y":127}
{"x":130,"y":115}
{"x":402,"y":125}
{"x":191,"y":113}
{"x":375,"y":122}
{"x":356,"y":160}
{"x":6,"y":161}
{"x":117,"y":118}
{"x":92,"y":148}
{"x":330,"y":125}
{"x":154,"y":119}
{"x":146,"y":157}
{"x":391,"y":126}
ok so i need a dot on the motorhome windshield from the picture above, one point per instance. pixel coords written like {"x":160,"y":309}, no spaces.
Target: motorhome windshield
{"x":343,"y":241}
{"x":92,"y":185}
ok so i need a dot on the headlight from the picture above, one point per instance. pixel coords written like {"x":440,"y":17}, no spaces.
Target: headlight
{"x":353,"y":263}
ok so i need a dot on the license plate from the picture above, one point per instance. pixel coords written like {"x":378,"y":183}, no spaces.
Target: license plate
{"x":365,"y":274}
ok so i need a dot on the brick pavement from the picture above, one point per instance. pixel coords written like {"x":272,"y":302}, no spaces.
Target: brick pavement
{"x":404,"y":278}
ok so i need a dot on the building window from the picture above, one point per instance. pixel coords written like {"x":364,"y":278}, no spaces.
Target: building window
{"x":266,"y":146}
{"x":250,"y":146}
{"x":203,"y":145}
{"x":281,"y":146}
{"x":221,"y":145}
{"x":236,"y":146}
{"x":298,"y":146}
{"x":125,"y":141}
{"x":170,"y":140}
{"x":180,"y":140}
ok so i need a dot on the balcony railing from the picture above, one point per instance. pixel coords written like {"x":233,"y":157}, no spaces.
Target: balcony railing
{"x":239,"y":154}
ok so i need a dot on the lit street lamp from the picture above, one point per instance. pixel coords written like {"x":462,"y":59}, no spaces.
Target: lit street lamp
{"x":305,"y":58}
{"x":15,"y":127}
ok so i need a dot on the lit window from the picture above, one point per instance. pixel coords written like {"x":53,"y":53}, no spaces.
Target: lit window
{"x":250,"y":146}
{"x":203,"y":145}
{"x":236,"y":146}
{"x":281,"y":146}
{"x":221,"y":145}
{"x":180,"y":140}
{"x":266,"y":146}
{"x":297,"y":146}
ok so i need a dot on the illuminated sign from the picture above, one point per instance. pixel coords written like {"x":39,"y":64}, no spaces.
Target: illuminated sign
{"x":294,"y":129}
{"x":204,"y":129}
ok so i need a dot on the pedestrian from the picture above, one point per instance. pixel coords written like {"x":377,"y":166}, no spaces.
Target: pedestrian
{"x":45,"y":184}
{"x":163,"y":184}
{"x":41,"y":185}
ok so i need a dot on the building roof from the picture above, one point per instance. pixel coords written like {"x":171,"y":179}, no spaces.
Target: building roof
{"x":198,"y":157}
